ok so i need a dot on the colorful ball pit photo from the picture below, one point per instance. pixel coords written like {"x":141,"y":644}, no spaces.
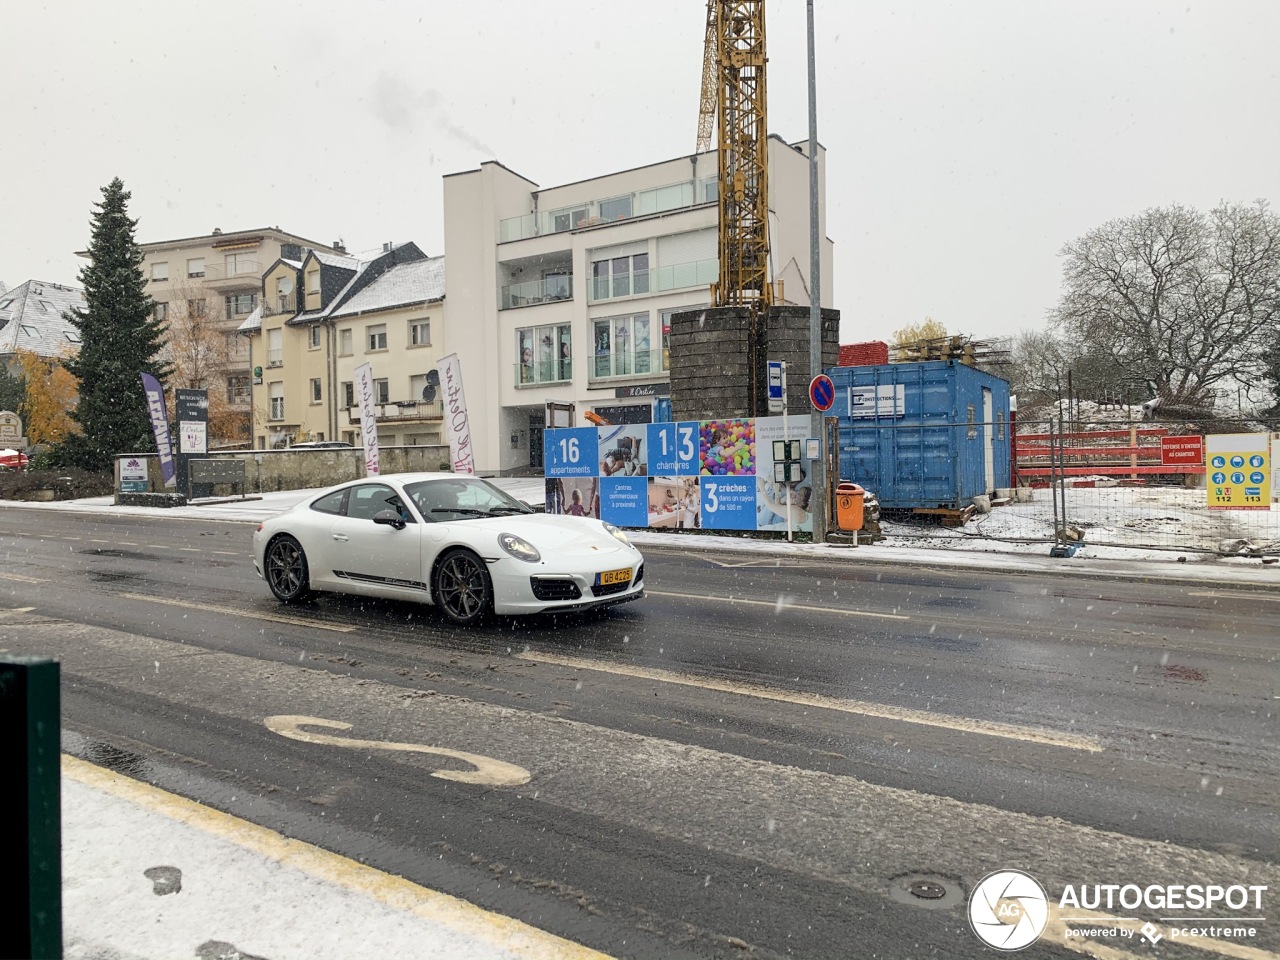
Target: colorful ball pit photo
{"x":727,"y":448}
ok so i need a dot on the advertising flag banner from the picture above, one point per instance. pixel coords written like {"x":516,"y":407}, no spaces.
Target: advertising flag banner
{"x":455,"y":403}
{"x":368,"y":417}
{"x":160,"y":424}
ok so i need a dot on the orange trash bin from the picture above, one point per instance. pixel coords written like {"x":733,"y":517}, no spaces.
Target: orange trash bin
{"x":849,"y":498}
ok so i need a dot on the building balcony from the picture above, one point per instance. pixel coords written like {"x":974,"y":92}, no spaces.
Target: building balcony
{"x":420,"y":410}
{"x":242,"y":275}
{"x":533,"y":292}
{"x":542,"y":372}
{"x":672,"y":196}
{"x":676,"y":276}
{"x":623,"y":364}
{"x":286,"y":304}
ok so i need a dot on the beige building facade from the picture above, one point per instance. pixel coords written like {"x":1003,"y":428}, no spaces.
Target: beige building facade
{"x":218,"y":277}
{"x":565,"y":294}
{"x":325,"y":315}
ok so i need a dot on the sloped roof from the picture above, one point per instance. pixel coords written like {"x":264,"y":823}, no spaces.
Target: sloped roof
{"x":31,"y":318}
{"x":252,"y":322}
{"x":336,"y":260}
{"x":403,"y":284}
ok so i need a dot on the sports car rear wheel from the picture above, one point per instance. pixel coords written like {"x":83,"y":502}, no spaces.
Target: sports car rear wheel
{"x":286,"y":570}
{"x":462,"y":588}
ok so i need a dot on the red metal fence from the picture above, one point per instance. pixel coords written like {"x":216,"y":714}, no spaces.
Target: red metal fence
{"x":1126,"y":453}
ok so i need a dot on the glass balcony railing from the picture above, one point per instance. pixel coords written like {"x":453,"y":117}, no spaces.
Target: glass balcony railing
{"x":543,"y":371}
{"x":672,"y":196}
{"x":248,"y":269}
{"x":629,"y":363}
{"x":695,"y":273}
{"x":537,"y":291}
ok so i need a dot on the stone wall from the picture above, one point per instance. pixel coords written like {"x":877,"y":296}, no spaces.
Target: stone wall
{"x":714,"y":359}
{"x":273,"y":470}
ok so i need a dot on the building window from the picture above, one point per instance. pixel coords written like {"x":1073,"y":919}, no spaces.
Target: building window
{"x":344,"y":342}
{"x":196,"y":308}
{"x":160,"y":311}
{"x":314,"y":341}
{"x":562,"y":220}
{"x":238,"y":390}
{"x":616,"y":209}
{"x":382,"y":391}
{"x":313,"y":281}
{"x":236,"y":264}
{"x":316,"y":396}
{"x":275,"y":391}
{"x":376,"y":338}
{"x":623,"y":346}
{"x":620,"y":277}
{"x":544,"y":354}
{"x":195,"y":267}
{"x":241,"y":303}
{"x":420,"y":333}
{"x":275,"y":353}
{"x":159,"y":271}
{"x":348,"y":393}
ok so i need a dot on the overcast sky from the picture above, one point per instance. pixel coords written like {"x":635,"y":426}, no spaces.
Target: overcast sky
{"x":967,"y":141}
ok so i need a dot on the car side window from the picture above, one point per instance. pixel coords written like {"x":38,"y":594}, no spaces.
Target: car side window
{"x":370,"y":499}
{"x":330,"y":503}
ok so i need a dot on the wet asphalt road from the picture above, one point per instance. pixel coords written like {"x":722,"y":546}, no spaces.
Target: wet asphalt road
{"x":758,"y":757}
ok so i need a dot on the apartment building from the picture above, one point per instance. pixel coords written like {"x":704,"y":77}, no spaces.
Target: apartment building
{"x":324,"y":315}
{"x":565,"y":294}
{"x":218,"y":277}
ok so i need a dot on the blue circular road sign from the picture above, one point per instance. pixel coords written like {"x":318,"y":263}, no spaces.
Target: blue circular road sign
{"x":822,"y":392}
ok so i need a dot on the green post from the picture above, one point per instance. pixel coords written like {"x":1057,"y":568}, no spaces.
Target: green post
{"x":31,"y":809}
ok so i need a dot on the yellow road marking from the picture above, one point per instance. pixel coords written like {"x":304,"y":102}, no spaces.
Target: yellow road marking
{"x":8,"y":610}
{"x":904,"y":714}
{"x":781,"y":605}
{"x":21,"y":579}
{"x":488,"y":771}
{"x":503,"y":933}
{"x":272,"y":617}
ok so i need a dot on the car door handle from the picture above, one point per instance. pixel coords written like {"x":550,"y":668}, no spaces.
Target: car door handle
{"x":341,"y":536}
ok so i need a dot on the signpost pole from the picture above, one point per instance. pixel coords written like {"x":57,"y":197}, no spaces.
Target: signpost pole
{"x":786,"y":445}
{"x":816,"y":419}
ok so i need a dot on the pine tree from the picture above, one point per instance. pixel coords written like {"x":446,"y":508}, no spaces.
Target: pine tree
{"x":119,"y":339}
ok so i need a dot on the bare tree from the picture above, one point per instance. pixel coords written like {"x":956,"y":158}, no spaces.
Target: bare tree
{"x":201,"y":350}
{"x":1181,"y":300}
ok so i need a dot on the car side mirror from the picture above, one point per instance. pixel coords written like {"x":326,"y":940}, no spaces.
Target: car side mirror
{"x":390,"y":517}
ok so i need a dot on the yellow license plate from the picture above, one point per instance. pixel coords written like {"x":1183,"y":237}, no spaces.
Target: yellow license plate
{"x":614,"y":576}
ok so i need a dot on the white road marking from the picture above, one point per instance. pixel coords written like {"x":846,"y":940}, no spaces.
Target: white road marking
{"x":1232,"y":596}
{"x":228,"y":553}
{"x":772,"y":562}
{"x":841,"y":611}
{"x":8,"y":610}
{"x":232,"y":611}
{"x":21,"y":579}
{"x":489,"y":772}
{"x":904,"y":714}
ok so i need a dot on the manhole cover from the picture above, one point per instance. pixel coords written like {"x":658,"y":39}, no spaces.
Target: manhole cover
{"x":928,"y":891}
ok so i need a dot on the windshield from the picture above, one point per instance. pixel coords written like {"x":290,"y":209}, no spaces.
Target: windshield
{"x":462,"y":498}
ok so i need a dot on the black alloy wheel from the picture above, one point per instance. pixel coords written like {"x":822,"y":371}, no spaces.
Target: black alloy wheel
{"x":286,"y":570}
{"x":462,"y":588}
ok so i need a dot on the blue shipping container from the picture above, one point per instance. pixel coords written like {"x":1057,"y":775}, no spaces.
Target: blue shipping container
{"x":933,"y":434}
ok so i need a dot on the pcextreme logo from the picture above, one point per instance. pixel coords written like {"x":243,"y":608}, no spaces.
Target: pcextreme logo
{"x":1008,"y":910}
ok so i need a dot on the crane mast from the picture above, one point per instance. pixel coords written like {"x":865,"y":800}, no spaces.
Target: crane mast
{"x":733,"y":84}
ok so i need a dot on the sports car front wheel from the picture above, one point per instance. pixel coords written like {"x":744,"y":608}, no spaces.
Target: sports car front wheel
{"x":462,"y":588}
{"x":286,"y":570}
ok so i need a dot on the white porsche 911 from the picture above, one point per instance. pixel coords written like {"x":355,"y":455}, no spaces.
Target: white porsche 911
{"x":451,"y":540}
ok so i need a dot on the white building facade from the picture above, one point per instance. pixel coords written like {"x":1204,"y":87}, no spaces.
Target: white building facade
{"x":563,"y":295}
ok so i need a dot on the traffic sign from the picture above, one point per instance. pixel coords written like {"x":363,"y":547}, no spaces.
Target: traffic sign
{"x":775,"y":379}
{"x":822,"y":392}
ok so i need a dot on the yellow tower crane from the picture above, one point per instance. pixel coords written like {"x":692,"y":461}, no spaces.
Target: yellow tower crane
{"x":733,"y":102}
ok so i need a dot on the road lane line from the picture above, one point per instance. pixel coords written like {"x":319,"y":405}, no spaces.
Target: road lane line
{"x":780,"y":605}
{"x":988,"y":728}
{"x":229,"y":553}
{"x":21,"y":579}
{"x":504,"y":935}
{"x":272,"y":617}
{"x":1250,"y":595}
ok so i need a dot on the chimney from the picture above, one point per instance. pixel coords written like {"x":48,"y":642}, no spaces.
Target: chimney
{"x":338,"y":247}
{"x":217,"y":231}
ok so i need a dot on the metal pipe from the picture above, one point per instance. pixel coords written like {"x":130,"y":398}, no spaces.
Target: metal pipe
{"x":817,"y":426}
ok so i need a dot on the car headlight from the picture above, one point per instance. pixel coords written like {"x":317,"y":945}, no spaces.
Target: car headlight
{"x":519,"y":547}
{"x":617,"y":533}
